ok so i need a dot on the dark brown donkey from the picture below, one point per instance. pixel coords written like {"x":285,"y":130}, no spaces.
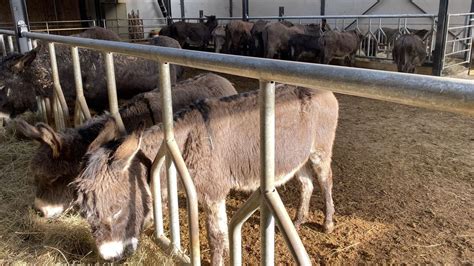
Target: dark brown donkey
{"x":219,"y":139}
{"x":57,"y":160}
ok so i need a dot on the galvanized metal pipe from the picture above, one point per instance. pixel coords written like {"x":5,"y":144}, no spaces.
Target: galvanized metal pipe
{"x":156,"y":189}
{"x":2,"y":45}
{"x":81,"y":100}
{"x":166,"y":103}
{"x":235,"y":226}
{"x":10,"y":44}
{"x":267,"y":169}
{"x":287,"y":228}
{"x":193,"y":217}
{"x":445,"y":94}
{"x":46,"y":109}
{"x":57,"y":85}
{"x":112,"y":91}
{"x":191,"y":200}
{"x":173,"y":206}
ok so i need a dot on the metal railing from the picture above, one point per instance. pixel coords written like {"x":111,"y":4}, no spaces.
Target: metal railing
{"x":458,"y":49}
{"x":378,"y":42}
{"x":9,"y":42}
{"x":61,"y":25}
{"x":423,"y":91}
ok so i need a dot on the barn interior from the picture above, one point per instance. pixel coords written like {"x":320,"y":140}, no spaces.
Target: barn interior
{"x":403,"y":175}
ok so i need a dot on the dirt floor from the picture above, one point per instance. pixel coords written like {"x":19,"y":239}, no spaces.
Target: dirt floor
{"x":403,"y":192}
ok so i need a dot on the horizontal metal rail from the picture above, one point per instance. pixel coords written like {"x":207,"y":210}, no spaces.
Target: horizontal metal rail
{"x":461,"y":27}
{"x":455,"y":64}
{"x":460,"y":39}
{"x":318,"y":17}
{"x":60,"y":29}
{"x":423,"y":91}
{"x":61,"y":21}
{"x":458,"y":52}
{"x":7,"y":32}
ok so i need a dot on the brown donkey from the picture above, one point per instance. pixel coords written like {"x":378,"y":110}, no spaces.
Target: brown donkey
{"x":219,"y":139}
{"x":57,"y":160}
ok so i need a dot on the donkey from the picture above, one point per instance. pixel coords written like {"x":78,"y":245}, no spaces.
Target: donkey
{"x":23,"y":77}
{"x":57,"y":160}
{"x":219,"y":139}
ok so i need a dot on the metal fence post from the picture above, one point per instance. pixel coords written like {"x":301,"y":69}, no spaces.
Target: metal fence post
{"x":20,"y":20}
{"x":281,"y":12}
{"x":2,"y":45}
{"x":441,"y":35}
{"x":201,"y":16}
{"x":267,"y":169}
{"x":245,"y":10}
{"x":112,"y":90}
{"x":11,"y":47}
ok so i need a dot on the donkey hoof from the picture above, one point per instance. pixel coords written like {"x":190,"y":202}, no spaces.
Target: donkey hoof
{"x":328,"y":227}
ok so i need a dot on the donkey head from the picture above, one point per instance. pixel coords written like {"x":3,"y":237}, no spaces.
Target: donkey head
{"x":113,"y":193}
{"x":56,"y":163}
{"x":17,"y":93}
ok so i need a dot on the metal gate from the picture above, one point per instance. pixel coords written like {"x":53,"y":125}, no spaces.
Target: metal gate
{"x":458,"y":42}
{"x":416,"y":90}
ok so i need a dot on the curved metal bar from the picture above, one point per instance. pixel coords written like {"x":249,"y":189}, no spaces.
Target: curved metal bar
{"x":81,"y":100}
{"x":57,"y":85}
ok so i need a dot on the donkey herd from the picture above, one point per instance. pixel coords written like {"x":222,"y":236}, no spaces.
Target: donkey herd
{"x":312,"y":42}
{"x":103,"y":174}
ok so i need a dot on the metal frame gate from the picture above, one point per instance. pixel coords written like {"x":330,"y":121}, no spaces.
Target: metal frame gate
{"x":458,"y":50}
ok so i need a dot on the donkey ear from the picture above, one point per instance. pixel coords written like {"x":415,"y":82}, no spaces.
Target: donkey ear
{"x":50,"y":137}
{"x":24,"y":129}
{"x":125,"y":153}
{"x":21,"y":63}
{"x":109,"y":132}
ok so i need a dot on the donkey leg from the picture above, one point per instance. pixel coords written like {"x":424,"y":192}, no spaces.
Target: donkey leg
{"x":306,"y":181}
{"x":217,"y":232}
{"x":322,"y":167}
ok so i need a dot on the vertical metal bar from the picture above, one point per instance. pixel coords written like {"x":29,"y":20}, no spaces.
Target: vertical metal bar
{"x":166,"y":103}
{"x":267,"y":168}
{"x":323,"y":8}
{"x":281,"y":12}
{"x":2,"y":45}
{"x":231,"y":8}
{"x":445,"y":41}
{"x":10,"y":44}
{"x":47,"y":27}
{"x":245,"y":10}
{"x":181,"y":3}
{"x":112,"y":90}
{"x":201,"y":16}
{"x":41,"y":111}
{"x":235,"y":226}
{"x":46,"y":112}
{"x":173,"y":207}
{"x":20,"y":20}
{"x":156,"y":190}
{"x":166,"y":100}
{"x":57,"y":84}
{"x":438,"y":55}
{"x":81,"y":100}
{"x":77,"y":114}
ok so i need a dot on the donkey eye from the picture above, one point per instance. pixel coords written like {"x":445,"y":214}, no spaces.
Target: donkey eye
{"x":117,"y":215}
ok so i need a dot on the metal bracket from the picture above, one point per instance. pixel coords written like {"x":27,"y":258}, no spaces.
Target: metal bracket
{"x":22,"y":27}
